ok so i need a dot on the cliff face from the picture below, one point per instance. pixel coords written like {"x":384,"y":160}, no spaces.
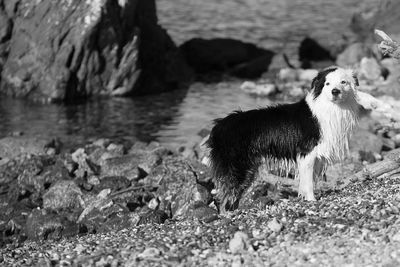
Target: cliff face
{"x":69,"y":49}
{"x":385,"y":16}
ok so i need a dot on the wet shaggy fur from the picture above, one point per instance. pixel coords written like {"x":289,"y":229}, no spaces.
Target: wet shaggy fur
{"x":240,"y":141}
{"x":289,"y":133}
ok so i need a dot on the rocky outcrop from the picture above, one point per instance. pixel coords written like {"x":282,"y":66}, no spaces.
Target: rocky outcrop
{"x":226,"y":56}
{"x":385,"y":16}
{"x":111,"y":186}
{"x":63,"y":50}
{"x":311,"y":51}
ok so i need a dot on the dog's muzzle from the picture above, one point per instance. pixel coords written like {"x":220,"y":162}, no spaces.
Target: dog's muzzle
{"x":335,"y":92}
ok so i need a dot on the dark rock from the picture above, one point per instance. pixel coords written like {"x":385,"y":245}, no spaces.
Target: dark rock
{"x":115,"y":183}
{"x":204,"y":212}
{"x":137,"y":164}
{"x":367,"y":156}
{"x":218,"y":56}
{"x":105,"y":219}
{"x":73,"y":49}
{"x":162,"y":66}
{"x":33,"y":175}
{"x":55,"y":145}
{"x":178,"y":189}
{"x":126,"y":166}
{"x":13,"y":217}
{"x":42,"y":225}
{"x":150,"y":217}
{"x":63,"y":195}
{"x":310,"y":50}
{"x":388,"y":144}
{"x":71,"y":166}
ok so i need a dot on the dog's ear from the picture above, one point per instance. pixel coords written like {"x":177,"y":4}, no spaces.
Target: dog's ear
{"x":318,"y":82}
{"x":354,"y":75}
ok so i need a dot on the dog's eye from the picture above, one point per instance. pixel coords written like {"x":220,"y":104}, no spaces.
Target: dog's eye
{"x":327,"y":84}
{"x":343,"y":82}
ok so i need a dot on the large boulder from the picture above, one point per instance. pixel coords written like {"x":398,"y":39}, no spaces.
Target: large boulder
{"x":63,"y":50}
{"x":384,"y":16}
{"x":223,"y":55}
{"x":353,"y":54}
{"x":42,"y":225}
{"x":63,"y":195}
{"x":311,"y":51}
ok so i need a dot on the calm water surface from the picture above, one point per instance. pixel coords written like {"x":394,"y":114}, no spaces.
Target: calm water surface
{"x":175,"y":118}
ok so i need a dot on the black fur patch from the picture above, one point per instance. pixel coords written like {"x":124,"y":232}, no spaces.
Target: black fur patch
{"x":239,"y":141}
{"x":319,"y":81}
{"x":356,"y":79}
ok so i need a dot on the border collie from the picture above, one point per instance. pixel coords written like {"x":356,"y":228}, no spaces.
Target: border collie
{"x":303,"y":136}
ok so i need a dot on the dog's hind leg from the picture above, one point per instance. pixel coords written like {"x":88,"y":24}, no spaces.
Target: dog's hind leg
{"x":306,"y":173}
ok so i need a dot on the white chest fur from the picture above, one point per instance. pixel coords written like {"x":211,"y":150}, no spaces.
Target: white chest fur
{"x":336,"y":124}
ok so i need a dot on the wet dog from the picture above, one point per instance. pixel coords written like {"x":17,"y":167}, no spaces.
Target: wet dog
{"x":304,"y":136}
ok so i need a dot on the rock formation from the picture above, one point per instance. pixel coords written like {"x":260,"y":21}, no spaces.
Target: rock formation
{"x":69,"y":49}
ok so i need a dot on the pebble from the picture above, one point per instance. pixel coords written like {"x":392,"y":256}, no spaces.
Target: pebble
{"x":307,"y":75}
{"x":150,"y":253}
{"x":288,"y":75}
{"x":274,"y":225}
{"x":238,"y":243}
{"x":153,"y":204}
{"x":396,"y":237}
{"x":265,"y":89}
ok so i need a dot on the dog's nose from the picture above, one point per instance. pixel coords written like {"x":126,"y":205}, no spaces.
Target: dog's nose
{"x":335,"y":91}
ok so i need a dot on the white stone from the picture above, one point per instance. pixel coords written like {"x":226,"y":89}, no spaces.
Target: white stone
{"x":265,"y":89}
{"x":274,"y":225}
{"x":370,"y":69}
{"x":288,"y":75}
{"x":238,"y":243}
{"x":307,"y":75}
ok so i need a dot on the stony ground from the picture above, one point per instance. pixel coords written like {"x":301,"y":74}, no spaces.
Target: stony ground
{"x":356,"y":227}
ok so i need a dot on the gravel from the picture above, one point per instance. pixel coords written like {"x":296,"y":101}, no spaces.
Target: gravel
{"x":358,"y":226}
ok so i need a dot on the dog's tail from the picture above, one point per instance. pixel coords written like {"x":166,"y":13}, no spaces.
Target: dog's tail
{"x":230,"y":178}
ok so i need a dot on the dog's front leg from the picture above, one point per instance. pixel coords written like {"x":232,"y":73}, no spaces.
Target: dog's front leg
{"x":306,"y":171}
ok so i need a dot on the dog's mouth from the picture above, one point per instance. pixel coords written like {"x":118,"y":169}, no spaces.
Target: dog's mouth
{"x":337,"y":98}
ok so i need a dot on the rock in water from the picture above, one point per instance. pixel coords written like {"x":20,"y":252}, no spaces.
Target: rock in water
{"x":221,"y":55}
{"x":310,"y":50}
{"x":63,"y":50}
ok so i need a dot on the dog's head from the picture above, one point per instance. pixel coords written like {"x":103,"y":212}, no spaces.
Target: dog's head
{"x":335,"y":84}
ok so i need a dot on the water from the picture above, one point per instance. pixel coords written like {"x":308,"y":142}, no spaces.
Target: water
{"x":175,"y":118}
{"x":275,"y":24}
